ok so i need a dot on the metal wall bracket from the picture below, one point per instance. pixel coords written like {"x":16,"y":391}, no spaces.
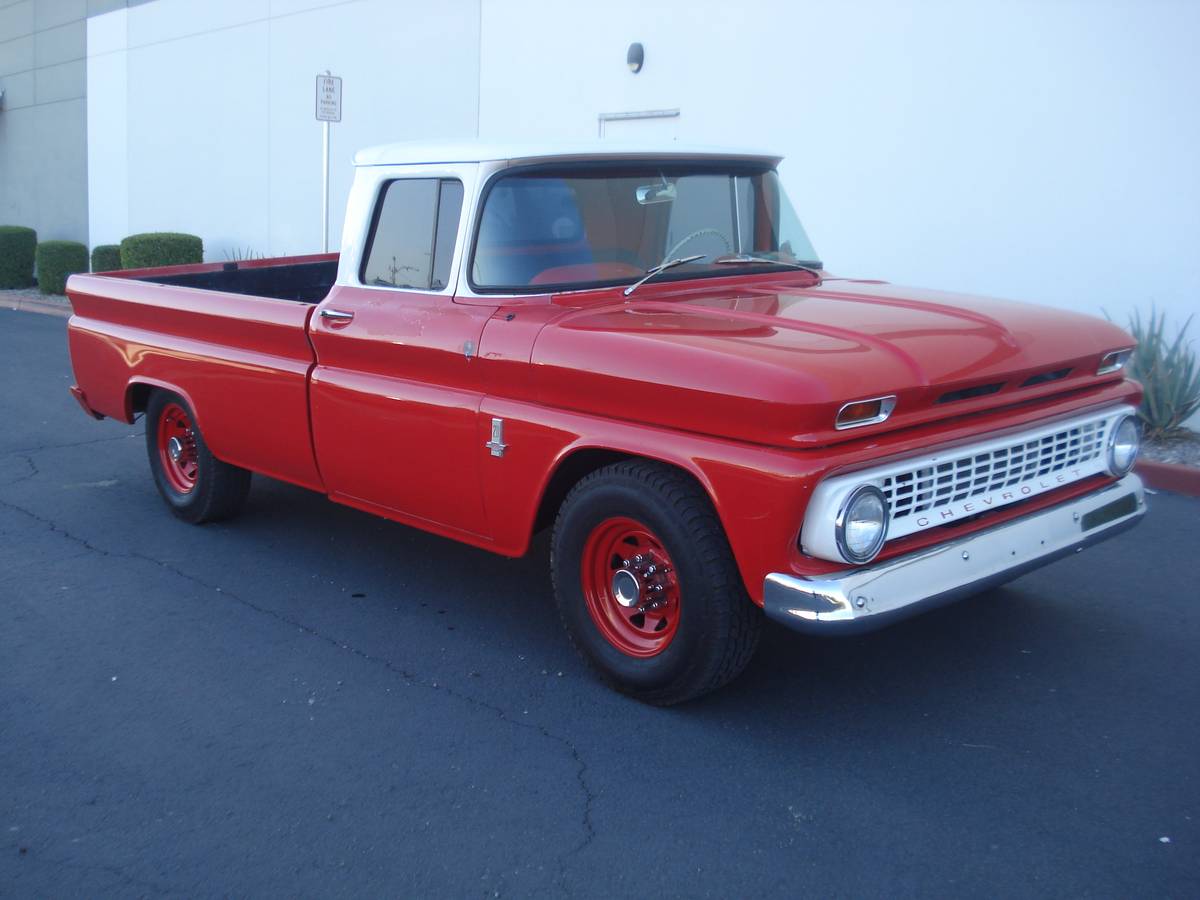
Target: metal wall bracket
{"x":496,"y":444}
{"x":634,"y":114}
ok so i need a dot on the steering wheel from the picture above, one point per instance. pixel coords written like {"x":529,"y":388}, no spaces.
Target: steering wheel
{"x":695,"y":234}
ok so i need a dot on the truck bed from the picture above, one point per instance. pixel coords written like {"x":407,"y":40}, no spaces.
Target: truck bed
{"x":230,"y":338}
{"x":302,"y":282}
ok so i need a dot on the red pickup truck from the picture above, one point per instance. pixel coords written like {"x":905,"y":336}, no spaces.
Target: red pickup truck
{"x":641,"y":350}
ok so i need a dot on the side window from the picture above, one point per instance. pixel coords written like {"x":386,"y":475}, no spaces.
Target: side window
{"x":413,"y":233}
{"x":450,"y":201}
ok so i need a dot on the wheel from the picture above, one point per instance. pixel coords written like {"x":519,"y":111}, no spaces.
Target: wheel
{"x":646,"y":584}
{"x":196,"y":485}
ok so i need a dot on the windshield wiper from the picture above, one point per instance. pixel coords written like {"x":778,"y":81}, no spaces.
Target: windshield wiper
{"x":743,"y":259}
{"x":662,"y":267}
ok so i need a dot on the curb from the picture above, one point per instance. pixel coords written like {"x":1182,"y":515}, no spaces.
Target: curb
{"x":46,"y":307}
{"x":1170,"y":477}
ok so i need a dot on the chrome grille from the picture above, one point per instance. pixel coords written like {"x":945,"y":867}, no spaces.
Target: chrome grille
{"x":976,"y":474}
{"x":954,"y":484}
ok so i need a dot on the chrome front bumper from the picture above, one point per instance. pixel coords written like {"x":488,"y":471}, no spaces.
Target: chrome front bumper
{"x":867,"y":598}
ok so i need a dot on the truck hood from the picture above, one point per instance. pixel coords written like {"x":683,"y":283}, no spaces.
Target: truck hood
{"x":771,"y":360}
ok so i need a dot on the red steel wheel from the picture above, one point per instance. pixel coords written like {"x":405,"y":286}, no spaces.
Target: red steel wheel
{"x":634,"y":543}
{"x":195,"y":485}
{"x":177,"y":448}
{"x":631,"y":587}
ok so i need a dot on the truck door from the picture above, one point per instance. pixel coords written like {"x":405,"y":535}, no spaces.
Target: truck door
{"x":396,"y":391}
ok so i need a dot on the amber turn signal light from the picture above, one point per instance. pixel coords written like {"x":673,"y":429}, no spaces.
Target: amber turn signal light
{"x":864,"y":412}
{"x":1114,"y":362}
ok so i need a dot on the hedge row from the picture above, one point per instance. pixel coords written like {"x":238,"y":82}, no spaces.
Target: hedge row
{"x":148,"y":251}
{"x":17,"y":248}
{"x":160,"y":248}
{"x":55,"y":260}
{"x":106,"y":258}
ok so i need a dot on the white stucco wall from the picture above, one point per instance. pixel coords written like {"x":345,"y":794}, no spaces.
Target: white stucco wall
{"x":108,"y":128}
{"x":1043,"y":151}
{"x":204,"y":117}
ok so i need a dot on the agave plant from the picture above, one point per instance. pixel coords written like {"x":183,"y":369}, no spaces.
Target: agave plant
{"x":238,"y":254}
{"x":1168,"y":370}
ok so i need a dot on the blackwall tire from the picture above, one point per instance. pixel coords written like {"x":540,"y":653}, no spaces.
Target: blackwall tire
{"x":196,"y":486}
{"x":699,"y":629}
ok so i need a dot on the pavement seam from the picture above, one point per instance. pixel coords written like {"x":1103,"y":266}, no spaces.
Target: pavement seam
{"x":33,"y":469}
{"x":411,"y":678}
{"x":23,"y":450}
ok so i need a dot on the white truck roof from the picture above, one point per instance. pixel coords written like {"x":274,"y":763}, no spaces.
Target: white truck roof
{"x":416,"y":153}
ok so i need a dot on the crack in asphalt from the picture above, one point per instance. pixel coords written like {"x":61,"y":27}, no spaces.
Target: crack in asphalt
{"x":411,"y":678}
{"x":120,"y":437}
{"x":33,"y":469}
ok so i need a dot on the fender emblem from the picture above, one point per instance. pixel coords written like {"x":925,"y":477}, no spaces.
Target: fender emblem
{"x":496,"y":444}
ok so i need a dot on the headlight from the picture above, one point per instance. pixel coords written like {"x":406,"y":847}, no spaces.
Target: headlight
{"x":862,"y":524}
{"x":1123,"y":446}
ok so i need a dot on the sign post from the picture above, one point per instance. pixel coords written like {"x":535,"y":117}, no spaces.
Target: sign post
{"x":329,"y":109}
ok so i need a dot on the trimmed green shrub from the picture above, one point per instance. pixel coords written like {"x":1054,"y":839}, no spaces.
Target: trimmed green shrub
{"x":160,"y":248}
{"x":106,"y":258}
{"x":18,"y":245}
{"x":1169,"y":372}
{"x":55,"y":261}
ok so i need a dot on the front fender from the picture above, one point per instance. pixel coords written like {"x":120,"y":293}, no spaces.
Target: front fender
{"x":759,"y":493}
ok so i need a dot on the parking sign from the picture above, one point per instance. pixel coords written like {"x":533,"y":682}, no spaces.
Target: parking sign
{"x":329,"y":98}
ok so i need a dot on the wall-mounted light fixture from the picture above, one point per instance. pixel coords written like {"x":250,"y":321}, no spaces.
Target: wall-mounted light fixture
{"x":635,"y":58}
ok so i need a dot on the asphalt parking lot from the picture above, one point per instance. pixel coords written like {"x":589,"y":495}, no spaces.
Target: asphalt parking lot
{"x":308,"y":700}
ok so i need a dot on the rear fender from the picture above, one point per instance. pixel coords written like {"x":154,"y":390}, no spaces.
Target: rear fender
{"x":153,"y":384}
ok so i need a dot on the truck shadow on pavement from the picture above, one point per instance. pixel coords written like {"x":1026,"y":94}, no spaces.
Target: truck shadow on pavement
{"x":972,"y":648}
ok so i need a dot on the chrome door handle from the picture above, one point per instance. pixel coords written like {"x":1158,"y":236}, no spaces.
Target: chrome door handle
{"x":337,"y":315}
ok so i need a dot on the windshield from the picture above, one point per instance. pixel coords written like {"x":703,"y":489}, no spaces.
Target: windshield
{"x":574,"y":227}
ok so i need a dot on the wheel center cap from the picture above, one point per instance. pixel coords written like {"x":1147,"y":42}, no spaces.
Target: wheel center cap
{"x":626,"y":588}
{"x":175,"y":448}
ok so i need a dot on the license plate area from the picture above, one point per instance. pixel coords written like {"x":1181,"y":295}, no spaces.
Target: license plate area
{"x":1109,"y":512}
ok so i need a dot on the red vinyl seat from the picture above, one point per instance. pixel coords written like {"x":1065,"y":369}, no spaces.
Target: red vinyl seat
{"x":592,"y":271}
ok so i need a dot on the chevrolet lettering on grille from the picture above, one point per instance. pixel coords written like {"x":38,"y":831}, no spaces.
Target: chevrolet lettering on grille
{"x":964,"y":481}
{"x":983,"y":504}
